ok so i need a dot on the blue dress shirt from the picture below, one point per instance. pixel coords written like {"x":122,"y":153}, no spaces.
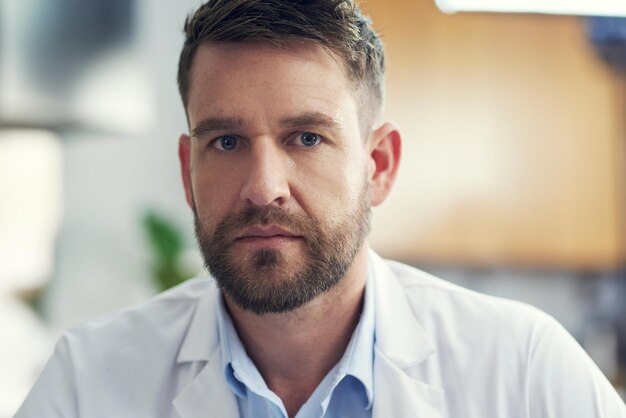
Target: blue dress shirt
{"x":346,"y":391}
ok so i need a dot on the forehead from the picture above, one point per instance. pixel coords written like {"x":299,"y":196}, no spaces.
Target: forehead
{"x":235,"y":78}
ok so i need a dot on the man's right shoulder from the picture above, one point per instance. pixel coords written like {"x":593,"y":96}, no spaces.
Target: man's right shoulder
{"x":161,"y":321}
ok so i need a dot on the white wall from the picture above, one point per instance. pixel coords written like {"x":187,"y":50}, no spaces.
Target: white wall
{"x":102,"y":259}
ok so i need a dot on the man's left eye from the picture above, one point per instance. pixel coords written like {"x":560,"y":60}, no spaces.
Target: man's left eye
{"x":309,"y":139}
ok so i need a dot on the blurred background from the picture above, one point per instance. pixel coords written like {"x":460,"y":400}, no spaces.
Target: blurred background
{"x":513,"y":180}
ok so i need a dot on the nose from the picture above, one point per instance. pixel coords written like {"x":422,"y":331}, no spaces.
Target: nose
{"x":266,"y":180}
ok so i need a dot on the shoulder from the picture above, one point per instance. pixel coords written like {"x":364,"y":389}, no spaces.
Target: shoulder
{"x":431,"y":293}
{"x":163,"y":307}
{"x":514,"y":344}
{"x":538,"y":366}
{"x":125,"y":361}
{"x":158,"y":323}
{"x":477,"y":322}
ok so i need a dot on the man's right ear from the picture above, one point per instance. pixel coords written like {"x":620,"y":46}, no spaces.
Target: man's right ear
{"x":184,"y":155}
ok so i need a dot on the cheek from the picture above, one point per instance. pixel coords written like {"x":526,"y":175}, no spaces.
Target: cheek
{"x":331,"y":186}
{"x":215,"y":190}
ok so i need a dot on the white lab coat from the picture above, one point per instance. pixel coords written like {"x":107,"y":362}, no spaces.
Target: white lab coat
{"x":441,"y":352}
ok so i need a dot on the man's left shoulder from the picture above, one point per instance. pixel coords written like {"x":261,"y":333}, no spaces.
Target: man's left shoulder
{"x":482,"y":343}
{"x":459,"y":309}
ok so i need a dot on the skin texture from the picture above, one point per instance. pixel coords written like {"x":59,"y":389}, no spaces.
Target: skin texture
{"x":267,"y":98}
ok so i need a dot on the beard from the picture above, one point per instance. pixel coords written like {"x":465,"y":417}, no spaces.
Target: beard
{"x":269,"y":281}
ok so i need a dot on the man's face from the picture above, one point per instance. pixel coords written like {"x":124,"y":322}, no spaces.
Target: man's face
{"x":276,"y":171}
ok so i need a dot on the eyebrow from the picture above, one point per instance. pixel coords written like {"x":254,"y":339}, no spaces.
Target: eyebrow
{"x":306,"y":119}
{"x":311,"y":119}
{"x":209,"y":125}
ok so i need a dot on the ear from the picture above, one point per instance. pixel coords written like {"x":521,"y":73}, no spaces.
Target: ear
{"x":385,"y":148}
{"x":184,"y":155}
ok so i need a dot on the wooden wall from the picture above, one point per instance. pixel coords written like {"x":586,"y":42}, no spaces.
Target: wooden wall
{"x":512,"y":133}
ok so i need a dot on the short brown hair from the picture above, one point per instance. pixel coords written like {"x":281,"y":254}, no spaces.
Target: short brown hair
{"x":338,"y":25}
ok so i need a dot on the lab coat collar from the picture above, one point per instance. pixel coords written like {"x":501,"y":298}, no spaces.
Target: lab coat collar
{"x":202,"y":338}
{"x":401,"y":345}
{"x":208,"y":393}
{"x":399,"y":335}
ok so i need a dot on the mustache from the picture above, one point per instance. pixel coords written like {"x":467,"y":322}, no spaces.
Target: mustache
{"x":251,"y":216}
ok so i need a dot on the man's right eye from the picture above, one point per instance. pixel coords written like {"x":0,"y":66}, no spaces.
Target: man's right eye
{"x":225,"y":143}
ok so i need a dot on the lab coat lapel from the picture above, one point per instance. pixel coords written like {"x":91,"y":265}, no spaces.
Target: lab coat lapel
{"x":401,"y":345}
{"x":398,"y":395}
{"x":208,"y":393}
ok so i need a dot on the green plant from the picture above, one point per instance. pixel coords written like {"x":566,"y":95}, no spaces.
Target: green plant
{"x":167,"y":246}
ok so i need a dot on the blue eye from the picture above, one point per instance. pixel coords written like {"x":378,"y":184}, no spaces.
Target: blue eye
{"x":225,"y":143}
{"x":309,"y":139}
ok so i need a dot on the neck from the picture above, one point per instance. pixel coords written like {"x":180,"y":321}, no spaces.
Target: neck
{"x":295,"y":350}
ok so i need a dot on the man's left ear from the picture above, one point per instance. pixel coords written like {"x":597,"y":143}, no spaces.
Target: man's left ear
{"x":385,"y":147}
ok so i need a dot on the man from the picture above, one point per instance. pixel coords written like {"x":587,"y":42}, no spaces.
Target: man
{"x":284,"y":159}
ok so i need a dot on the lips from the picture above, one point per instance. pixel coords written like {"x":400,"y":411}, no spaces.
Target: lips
{"x":266,"y":233}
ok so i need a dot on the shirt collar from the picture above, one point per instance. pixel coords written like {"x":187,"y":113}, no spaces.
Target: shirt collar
{"x":359,"y":355}
{"x":232,"y":349}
